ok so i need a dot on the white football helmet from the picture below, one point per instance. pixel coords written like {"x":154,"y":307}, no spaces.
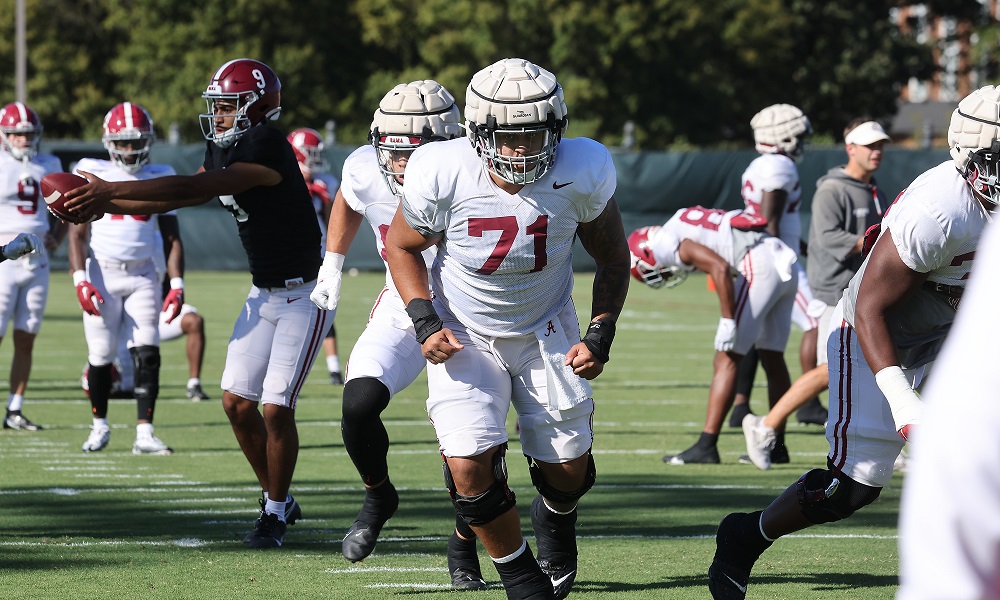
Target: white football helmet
{"x":974,"y":138}
{"x":644,"y":267}
{"x":515,"y":96}
{"x":781,"y":129}
{"x":308,"y":146}
{"x":410,"y":115}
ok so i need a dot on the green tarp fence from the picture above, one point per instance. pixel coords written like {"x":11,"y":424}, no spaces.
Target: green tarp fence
{"x":651,"y":187}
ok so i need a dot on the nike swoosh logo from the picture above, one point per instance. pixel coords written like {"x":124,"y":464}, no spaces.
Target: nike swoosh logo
{"x":290,"y":300}
{"x":741,"y":588}
{"x":558,"y":582}
{"x":556,"y":185}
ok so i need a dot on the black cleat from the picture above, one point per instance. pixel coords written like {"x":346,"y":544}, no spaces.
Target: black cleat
{"x":16,"y":420}
{"x":466,"y":579}
{"x":812,"y":413}
{"x":336,"y":378}
{"x":194,"y":393}
{"x":737,"y":413}
{"x":555,"y":536}
{"x":268,"y":532}
{"x":463,"y":564}
{"x":729,"y":575}
{"x":363,"y":534}
{"x":694,"y":455}
{"x":293,"y":512}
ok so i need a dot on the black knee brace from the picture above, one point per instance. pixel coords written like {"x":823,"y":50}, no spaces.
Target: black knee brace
{"x":361,"y":427}
{"x":829,"y":495}
{"x":551,"y":493}
{"x":147,"y":379}
{"x":483,"y":508}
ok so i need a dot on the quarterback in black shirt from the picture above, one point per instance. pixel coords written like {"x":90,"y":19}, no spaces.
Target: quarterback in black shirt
{"x":252,"y":169}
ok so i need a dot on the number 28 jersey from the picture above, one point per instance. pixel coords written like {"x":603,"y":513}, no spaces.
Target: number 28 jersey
{"x":504,"y":264}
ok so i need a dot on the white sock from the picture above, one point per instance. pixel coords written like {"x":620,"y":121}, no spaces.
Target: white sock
{"x":510,"y":557}
{"x":100,"y":422}
{"x":14,"y":402}
{"x":333,"y":364}
{"x":275,"y":508}
{"x":144,"y":430}
{"x":193,"y":382}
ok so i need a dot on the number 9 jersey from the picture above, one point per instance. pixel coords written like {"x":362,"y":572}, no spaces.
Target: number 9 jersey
{"x":22,"y":209}
{"x":507,"y":265}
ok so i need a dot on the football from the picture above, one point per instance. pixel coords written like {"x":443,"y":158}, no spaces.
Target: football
{"x":54,"y":185}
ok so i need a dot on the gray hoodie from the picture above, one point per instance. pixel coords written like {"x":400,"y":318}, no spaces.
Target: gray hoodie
{"x":842,"y":209}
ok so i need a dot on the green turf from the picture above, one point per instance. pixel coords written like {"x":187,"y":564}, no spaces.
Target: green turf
{"x":114,"y":525}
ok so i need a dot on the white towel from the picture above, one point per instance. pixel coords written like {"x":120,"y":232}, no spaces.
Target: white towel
{"x":784,"y":258}
{"x":566,"y":389}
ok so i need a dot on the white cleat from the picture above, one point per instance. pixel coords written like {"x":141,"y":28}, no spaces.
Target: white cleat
{"x":98,"y":438}
{"x":151,"y":445}
{"x":760,"y":441}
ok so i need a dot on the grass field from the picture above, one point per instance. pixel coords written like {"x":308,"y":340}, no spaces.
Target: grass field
{"x":114,"y":525}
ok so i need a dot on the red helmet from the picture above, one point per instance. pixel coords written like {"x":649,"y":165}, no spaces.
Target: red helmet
{"x":644,"y":266}
{"x":128,"y":136}
{"x":308,"y":146}
{"x":18,"y":119}
{"x":252,"y":87}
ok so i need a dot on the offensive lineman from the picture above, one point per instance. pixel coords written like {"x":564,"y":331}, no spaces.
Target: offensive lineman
{"x":771,"y":189}
{"x":24,"y":282}
{"x":117,"y":285}
{"x":755,"y":305}
{"x":386,"y":358}
{"x":502,"y":328}
{"x":897,"y":310}
{"x":253,"y":171}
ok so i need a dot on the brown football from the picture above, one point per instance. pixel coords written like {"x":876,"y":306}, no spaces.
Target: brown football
{"x":54,"y":185}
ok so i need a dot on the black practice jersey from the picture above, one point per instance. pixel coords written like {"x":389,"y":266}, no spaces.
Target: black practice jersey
{"x":277,"y":224}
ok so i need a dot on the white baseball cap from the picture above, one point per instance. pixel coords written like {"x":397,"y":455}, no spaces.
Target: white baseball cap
{"x":867,"y":133}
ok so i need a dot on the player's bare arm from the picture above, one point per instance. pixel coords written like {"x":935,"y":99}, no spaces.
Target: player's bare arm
{"x":403,"y":245}
{"x":77,"y":242}
{"x":151,"y":196}
{"x":887,"y":282}
{"x":704,"y":259}
{"x":342,"y":225}
{"x":772,"y":206}
{"x":173,"y":248}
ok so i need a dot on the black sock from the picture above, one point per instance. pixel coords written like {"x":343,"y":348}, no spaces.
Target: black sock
{"x":523,"y":579}
{"x":555,"y":534}
{"x":707,"y":440}
{"x":380,"y":504}
{"x":755,"y":540}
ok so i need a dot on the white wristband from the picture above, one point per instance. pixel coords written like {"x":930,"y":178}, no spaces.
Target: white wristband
{"x":904,"y":402}
{"x":335,"y":261}
{"x":177,"y":283}
{"x":79,"y":277}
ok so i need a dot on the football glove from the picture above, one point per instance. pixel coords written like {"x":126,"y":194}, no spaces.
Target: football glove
{"x":23,"y":243}
{"x":327,"y":291}
{"x":725,"y":335}
{"x":175,"y":299}
{"x":904,"y":401}
{"x":86,"y":294}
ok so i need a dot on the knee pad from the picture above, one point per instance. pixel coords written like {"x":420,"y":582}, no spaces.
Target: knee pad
{"x":827,"y":495}
{"x":147,"y":371}
{"x":483,"y":508}
{"x":551,"y":493}
{"x":364,"y":400}
{"x":332,"y":333}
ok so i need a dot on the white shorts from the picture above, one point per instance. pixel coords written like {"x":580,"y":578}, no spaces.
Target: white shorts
{"x":130,"y":309}
{"x":472,"y":392}
{"x":274,"y":345}
{"x":24,"y":290}
{"x":861,"y":432}
{"x":387,"y":349}
{"x":763,"y":303}
{"x":806,"y":319}
{"x":172,"y":330}
{"x":829,"y":324}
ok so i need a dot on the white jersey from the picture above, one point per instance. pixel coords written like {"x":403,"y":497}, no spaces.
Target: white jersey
{"x":772,"y":172}
{"x":504,"y":266}
{"x":935,"y":225}
{"x":22,"y":208}
{"x":124,"y":237}
{"x":709,"y":227}
{"x":366,"y":193}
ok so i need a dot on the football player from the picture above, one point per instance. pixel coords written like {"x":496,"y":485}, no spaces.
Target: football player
{"x":323,"y":187}
{"x":24,"y":282}
{"x":771,"y":189}
{"x":754,"y":275}
{"x":504,"y":207}
{"x":252,"y":169}
{"x":897,"y":310}
{"x":386,"y":358}
{"x":116,"y":281}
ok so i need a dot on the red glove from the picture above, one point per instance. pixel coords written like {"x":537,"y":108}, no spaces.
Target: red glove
{"x":319,"y":189}
{"x":174,"y":300}
{"x":906,"y":431}
{"x":87,"y":294}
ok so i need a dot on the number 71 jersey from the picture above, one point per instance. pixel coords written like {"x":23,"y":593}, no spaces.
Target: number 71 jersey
{"x":22,"y":208}
{"x":505,"y":262}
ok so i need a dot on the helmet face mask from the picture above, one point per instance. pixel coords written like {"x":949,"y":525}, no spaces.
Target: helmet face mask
{"x":20,"y":131}
{"x":128,"y":136}
{"x":782,"y":129}
{"x":974,"y":137}
{"x":409,"y":116}
{"x":244,"y":90}
{"x":308,"y":146}
{"x":644,"y":267}
{"x":516,"y":116}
